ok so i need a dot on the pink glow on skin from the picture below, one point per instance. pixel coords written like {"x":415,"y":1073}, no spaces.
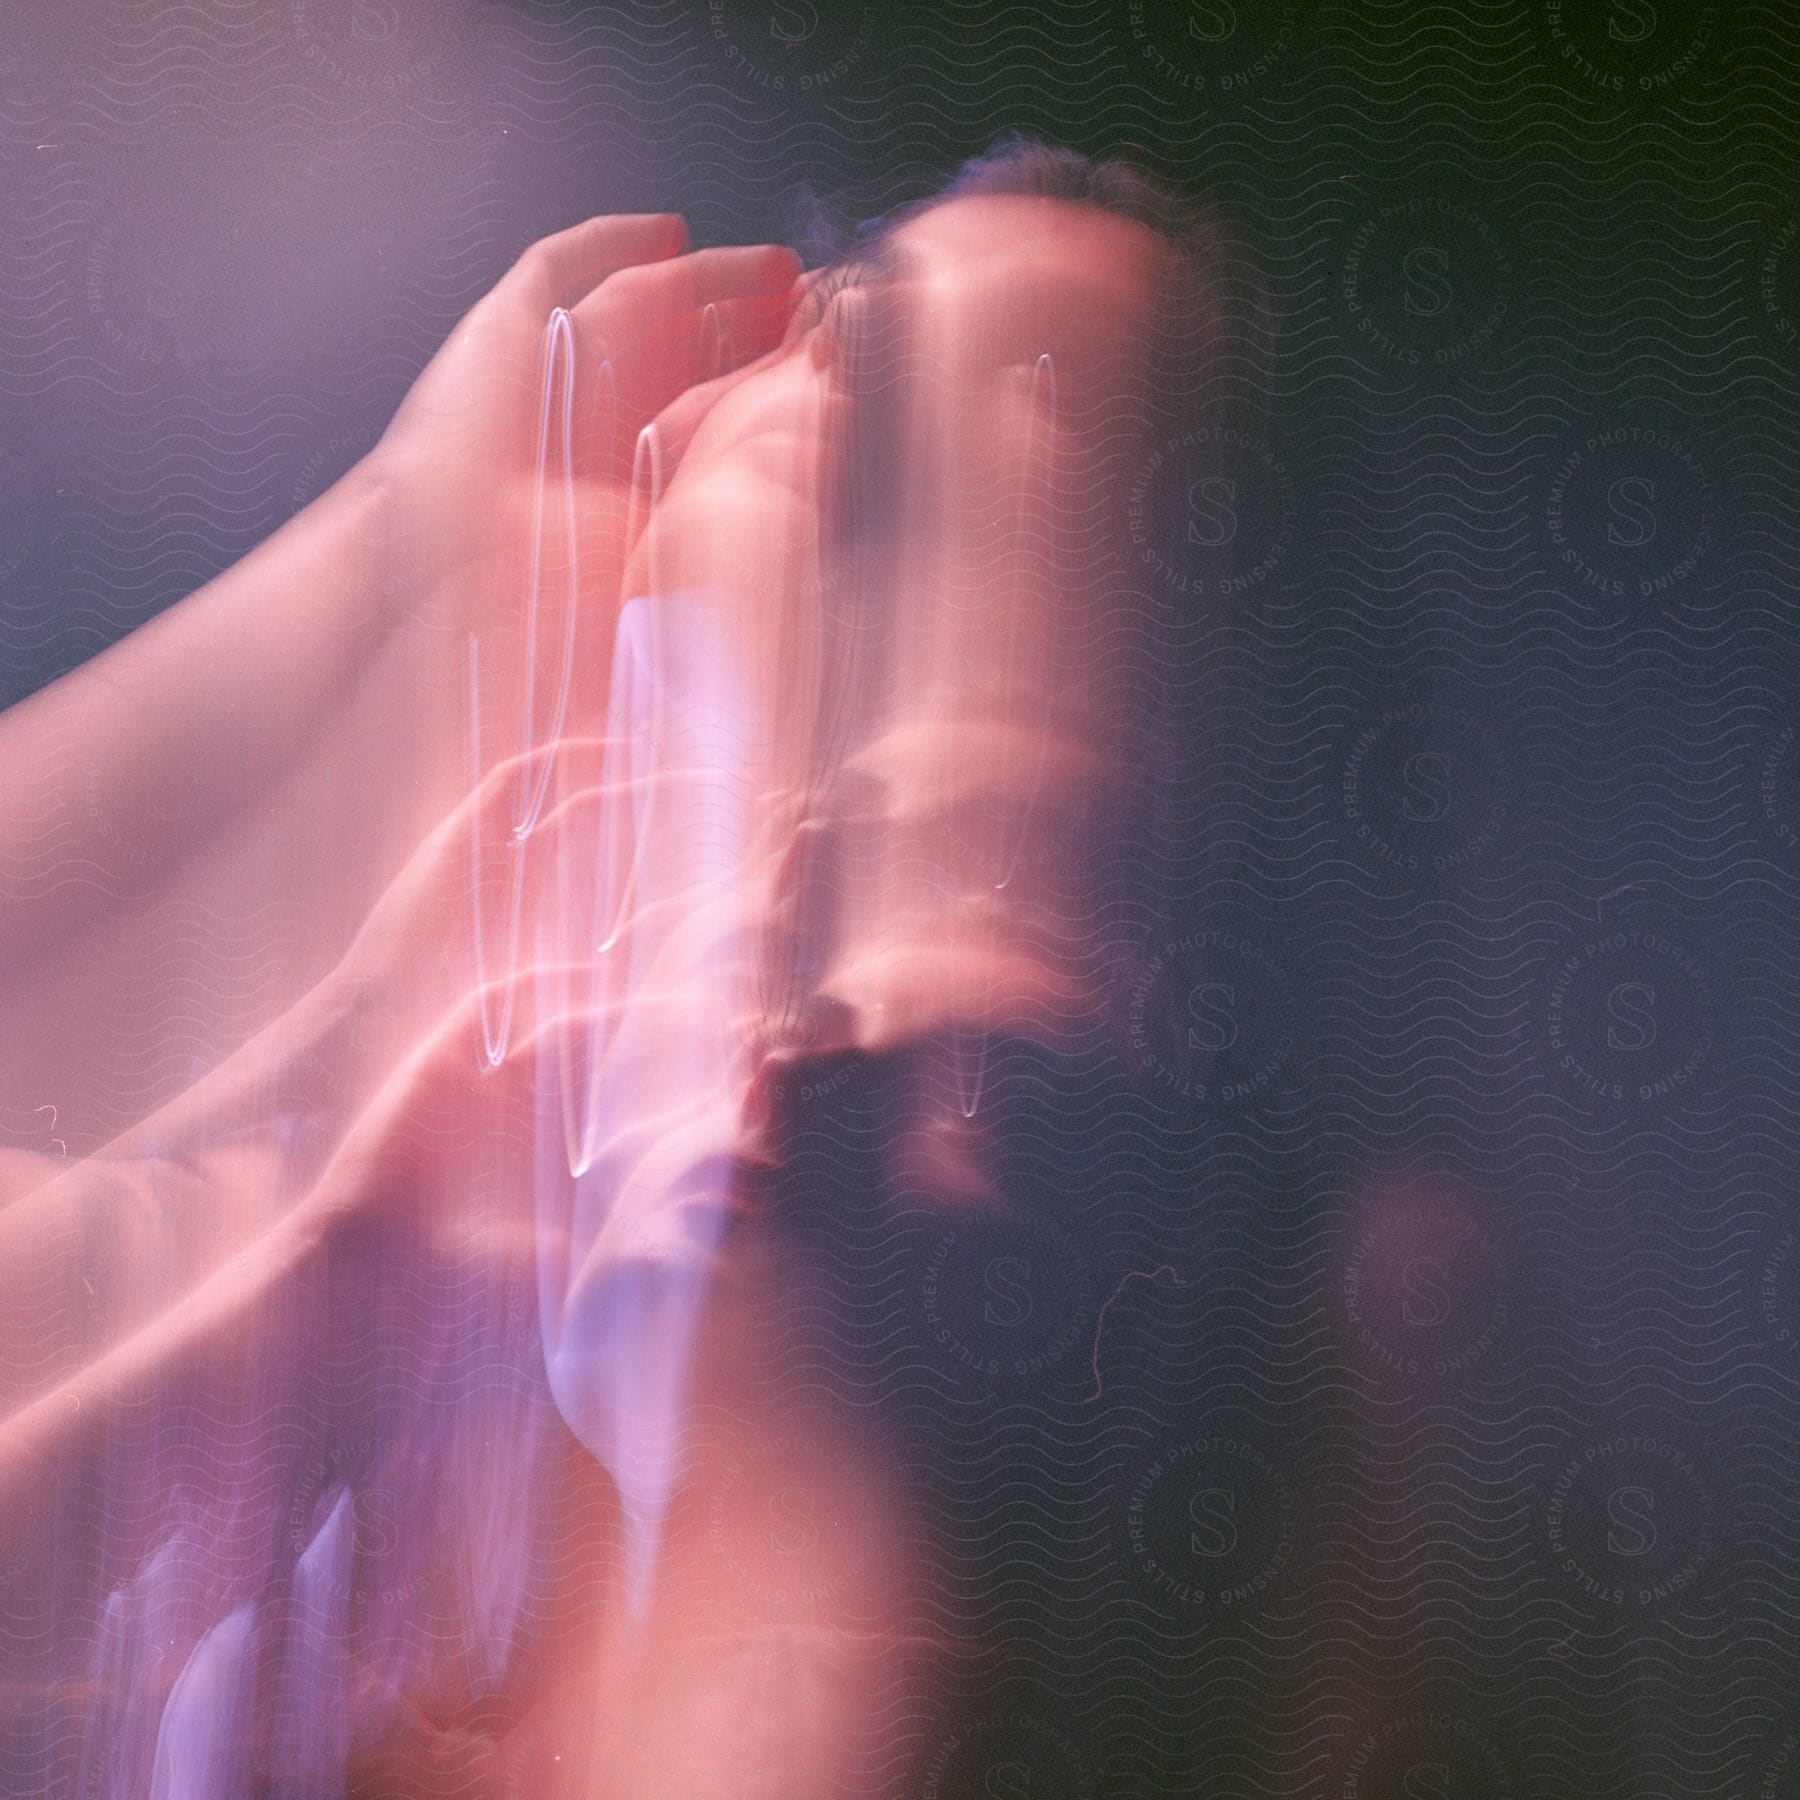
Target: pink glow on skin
{"x":398,"y":938}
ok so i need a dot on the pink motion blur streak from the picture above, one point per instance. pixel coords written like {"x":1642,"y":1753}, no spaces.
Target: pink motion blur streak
{"x":404,"y":939}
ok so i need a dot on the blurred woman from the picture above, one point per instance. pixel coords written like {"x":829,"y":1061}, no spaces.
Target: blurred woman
{"x":416,"y":932}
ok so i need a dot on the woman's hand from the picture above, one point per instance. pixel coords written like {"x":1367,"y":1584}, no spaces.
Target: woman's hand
{"x":460,"y":461}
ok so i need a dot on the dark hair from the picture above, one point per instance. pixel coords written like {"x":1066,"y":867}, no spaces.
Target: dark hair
{"x":1209,"y":385}
{"x":1217,"y":314}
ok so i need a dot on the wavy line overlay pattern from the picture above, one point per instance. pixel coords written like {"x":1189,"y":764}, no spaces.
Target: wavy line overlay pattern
{"x":1383,"y":1379}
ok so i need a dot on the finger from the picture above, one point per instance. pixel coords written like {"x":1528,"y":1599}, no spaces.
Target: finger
{"x":728,"y":334}
{"x":689,"y":347}
{"x":621,"y":388}
{"x":636,"y":296}
{"x":561,"y":269}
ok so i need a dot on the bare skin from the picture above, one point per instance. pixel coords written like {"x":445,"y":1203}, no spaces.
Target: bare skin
{"x":959,"y":785}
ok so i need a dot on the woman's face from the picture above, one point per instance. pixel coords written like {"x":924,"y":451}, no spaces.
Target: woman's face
{"x":973,"y":290}
{"x":960,"y":716}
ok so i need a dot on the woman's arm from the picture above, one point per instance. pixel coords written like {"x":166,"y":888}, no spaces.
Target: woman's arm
{"x":266,"y":754}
